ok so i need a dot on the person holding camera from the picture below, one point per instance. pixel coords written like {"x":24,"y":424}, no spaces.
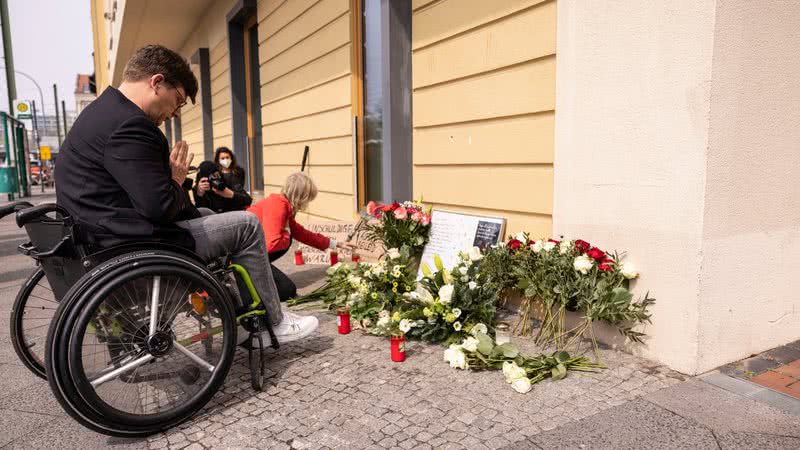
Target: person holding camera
{"x":231,"y":171}
{"x":215,"y":192}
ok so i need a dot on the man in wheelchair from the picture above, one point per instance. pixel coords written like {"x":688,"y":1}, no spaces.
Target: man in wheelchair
{"x":121,"y":183}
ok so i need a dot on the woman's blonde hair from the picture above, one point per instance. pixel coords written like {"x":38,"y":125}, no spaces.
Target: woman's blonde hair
{"x":300,"y":190}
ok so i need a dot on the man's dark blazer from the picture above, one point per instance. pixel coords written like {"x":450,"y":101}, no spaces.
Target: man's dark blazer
{"x":113,"y":175}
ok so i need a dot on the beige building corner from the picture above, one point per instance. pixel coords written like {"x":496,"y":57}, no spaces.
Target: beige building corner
{"x":665,"y":129}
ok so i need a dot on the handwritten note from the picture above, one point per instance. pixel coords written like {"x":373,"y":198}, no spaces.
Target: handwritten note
{"x":368,"y":251}
{"x":454,"y":232}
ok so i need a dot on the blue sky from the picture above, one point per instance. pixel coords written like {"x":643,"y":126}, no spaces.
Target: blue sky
{"x":52,"y":42}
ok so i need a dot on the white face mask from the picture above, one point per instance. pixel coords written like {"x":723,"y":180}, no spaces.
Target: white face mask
{"x":225,"y":163}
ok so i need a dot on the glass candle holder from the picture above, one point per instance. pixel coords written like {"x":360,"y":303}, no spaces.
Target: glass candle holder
{"x":343,"y":320}
{"x":398,"y":344}
{"x":334,"y":257}
{"x":356,"y":258}
{"x":298,"y":258}
{"x":502,"y":333}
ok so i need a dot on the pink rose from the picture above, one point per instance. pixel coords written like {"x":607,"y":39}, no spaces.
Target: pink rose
{"x":417,"y":216}
{"x":401,"y":213}
{"x":426,"y":219}
{"x":371,"y":208}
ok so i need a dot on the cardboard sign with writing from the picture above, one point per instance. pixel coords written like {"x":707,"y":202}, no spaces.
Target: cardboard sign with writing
{"x":368,"y":251}
{"x":453,"y":232}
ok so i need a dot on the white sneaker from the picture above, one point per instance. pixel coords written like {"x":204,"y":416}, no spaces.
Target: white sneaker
{"x":294,"y":327}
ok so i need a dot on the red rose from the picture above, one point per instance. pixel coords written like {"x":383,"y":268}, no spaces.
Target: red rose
{"x":605,"y":266}
{"x":582,"y":246}
{"x":514,"y":244}
{"x":596,"y":254}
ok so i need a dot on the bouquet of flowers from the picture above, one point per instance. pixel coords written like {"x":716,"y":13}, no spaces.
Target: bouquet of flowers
{"x":397,"y":225}
{"x":384,"y":286}
{"x":453,"y":302}
{"x":479,"y":352}
{"x":572,"y":276}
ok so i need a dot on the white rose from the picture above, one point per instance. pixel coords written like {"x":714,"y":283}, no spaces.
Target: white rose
{"x":457,"y":326}
{"x":462,"y":270}
{"x":501,"y":245}
{"x":549,"y":246}
{"x":470,"y":344}
{"x":472,"y":285}
{"x":393,"y":253}
{"x":583,"y":264}
{"x":405,"y":325}
{"x":424,"y":295}
{"x":384,"y":313}
{"x":459,"y":360}
{"x":629,"y":271}
{"x":521,"y":385}
{"x":446,"y":293}
{"x":513,"y":372}
{"x":456,"y":312}
{"x":565,"y":247}
{"x":521,"y":237}
{"x":479,"y":328}
{"x":538,"y":246}
{"x":464,"y":279}
{"x":451,"y":351}
{"x":475,"y":254}
{"x":382,"y":322}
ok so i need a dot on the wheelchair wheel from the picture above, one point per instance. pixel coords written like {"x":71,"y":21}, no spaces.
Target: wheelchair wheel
{"x":30,"y":318}
{"x":126,"y":354}
{"x":256,"y":359}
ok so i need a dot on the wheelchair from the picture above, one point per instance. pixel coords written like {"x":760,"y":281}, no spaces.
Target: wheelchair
{"x":140,"y":336}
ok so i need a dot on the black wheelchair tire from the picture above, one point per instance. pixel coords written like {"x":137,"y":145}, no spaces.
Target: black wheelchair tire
{"x":65,"y":380}
{"x":17,"y":330}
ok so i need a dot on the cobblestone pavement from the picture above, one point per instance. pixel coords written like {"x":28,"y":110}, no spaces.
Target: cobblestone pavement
{"x":336,"y":391}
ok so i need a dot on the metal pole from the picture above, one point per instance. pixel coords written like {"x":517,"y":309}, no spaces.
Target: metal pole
{"x":8,"y":53}
{"x":58,"y":120}
{"x":39,"y":146}
{"x":64,"y":117}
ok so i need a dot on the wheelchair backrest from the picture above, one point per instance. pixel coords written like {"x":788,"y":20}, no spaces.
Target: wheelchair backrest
{"x":53,"y":243}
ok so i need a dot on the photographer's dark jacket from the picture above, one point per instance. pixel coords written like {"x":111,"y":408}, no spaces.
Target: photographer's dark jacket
{"x":240,"y":201}
{"x":113,"y":175}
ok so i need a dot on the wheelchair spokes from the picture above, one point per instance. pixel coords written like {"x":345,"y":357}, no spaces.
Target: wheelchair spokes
{"x":150,"y":345}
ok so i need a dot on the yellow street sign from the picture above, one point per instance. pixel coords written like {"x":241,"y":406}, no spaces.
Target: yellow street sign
{"x":44,"y":153}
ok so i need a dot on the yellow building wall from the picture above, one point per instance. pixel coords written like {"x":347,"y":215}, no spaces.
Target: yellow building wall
{"x":192,"y":122}
{"x":304,"y":53}
{"x":484,"y":107}
{"x":219,"y":63}
{"x":100,"y":44}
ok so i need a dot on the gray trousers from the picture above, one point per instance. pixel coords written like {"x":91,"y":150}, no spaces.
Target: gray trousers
{"x":239,"y":234}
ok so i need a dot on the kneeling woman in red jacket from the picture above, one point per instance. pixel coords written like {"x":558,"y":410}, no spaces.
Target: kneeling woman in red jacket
{"x":277,"y":213}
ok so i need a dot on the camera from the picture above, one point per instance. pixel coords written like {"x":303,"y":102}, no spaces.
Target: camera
{"x":217,"y":182}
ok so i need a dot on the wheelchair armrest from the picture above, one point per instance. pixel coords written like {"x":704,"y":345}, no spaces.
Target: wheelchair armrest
{"x":28,"y":215}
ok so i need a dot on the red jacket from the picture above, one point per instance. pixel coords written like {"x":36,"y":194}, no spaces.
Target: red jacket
{"x":274,"y":213}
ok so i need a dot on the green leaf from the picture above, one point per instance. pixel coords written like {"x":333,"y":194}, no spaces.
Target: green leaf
{"x":485,"y":344}
{"x":509,"y":350}
{"x":562,"y":357}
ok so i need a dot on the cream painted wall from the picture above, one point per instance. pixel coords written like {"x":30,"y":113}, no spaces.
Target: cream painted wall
{"x":305,"y":56}
{"x":484,"y":98}
{"x":749,"y":300}
{"x":633,"y":102}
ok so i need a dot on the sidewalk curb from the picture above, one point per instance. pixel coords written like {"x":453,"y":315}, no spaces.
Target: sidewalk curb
{"x":753,"y":391}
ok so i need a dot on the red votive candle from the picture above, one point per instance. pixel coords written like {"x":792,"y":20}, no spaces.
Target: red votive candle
{"x":334,"y":257}
{"x":298,"y":258}
{"x":398,"y":348}
{"x":356,"y":257}
{"x":343,"y":320}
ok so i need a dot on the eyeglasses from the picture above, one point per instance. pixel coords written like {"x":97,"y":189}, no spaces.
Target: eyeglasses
{"x":181,"y":98}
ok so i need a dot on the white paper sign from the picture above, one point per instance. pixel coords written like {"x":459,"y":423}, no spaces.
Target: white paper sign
{"x":455,"y":232}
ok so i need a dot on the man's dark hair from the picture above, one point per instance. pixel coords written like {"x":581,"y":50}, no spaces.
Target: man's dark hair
{"x":154,"y":59}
